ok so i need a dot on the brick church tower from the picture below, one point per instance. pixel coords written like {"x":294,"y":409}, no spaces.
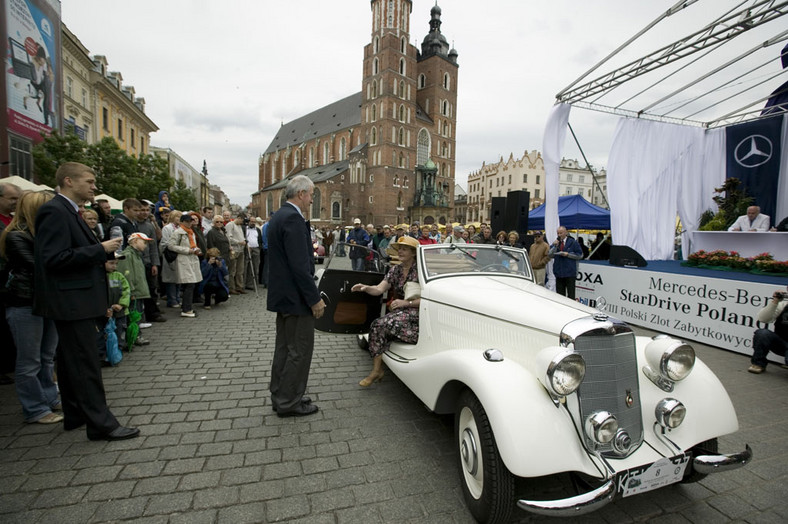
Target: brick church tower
{"x":408,"y":117}
{"x":385,"y":155}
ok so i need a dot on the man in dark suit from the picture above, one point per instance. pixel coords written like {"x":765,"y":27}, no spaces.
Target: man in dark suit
{"x":71,"y":288}
{"x":292,"y":293}
{"x":565,"y":252}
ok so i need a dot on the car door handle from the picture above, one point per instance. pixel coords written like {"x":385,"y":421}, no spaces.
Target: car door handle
{"x":345,"y":285}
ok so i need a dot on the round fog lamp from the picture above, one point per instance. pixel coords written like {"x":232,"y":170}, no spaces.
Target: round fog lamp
{"x":678,"y":361}
{"x":601,"y":427}
{"x":565,"y":373}
{"x":670,"y":413}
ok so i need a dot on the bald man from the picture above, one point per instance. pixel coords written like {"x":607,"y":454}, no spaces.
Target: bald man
{"x":752,"y":221}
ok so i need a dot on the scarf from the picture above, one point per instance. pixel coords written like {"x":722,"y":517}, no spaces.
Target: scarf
{"x":192,"y":242}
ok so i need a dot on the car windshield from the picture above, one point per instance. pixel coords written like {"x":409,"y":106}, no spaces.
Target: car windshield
{"x":447,"y":259}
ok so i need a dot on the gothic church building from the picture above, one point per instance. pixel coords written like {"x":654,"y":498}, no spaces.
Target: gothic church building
{"x":385,"y":155}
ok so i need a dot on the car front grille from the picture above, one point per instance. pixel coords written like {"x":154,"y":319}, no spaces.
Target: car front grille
{"x":611,"y":380}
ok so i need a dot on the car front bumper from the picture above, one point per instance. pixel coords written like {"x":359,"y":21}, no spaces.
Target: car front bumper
{"x":596,"y":499}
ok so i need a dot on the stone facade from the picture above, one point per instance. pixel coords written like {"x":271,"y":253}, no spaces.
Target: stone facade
{"x":386,"y":154}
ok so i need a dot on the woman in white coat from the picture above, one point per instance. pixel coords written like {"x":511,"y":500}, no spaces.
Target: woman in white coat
{"x":169,"y":276}
{"x":187,"y":266}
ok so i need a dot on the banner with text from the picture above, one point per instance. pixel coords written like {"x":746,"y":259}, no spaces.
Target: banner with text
{"x":714,"y":311}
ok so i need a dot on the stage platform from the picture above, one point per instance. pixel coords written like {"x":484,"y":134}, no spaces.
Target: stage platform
{"x":718,"y":308}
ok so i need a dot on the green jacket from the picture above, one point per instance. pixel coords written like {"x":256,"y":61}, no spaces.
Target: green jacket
{"x":133,"y":269}
{"x":119,"y":293}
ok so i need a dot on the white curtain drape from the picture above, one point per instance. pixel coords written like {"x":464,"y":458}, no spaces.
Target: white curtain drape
{"x":782,"y":184}
{"x":657,"y":171}
{"x":553,"y":148}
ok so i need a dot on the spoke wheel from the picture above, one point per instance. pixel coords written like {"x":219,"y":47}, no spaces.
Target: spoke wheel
{"x":487,"y":485}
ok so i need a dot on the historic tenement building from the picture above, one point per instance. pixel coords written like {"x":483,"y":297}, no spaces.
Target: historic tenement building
{"x":527,"y":173}
{"x":386,"y":154}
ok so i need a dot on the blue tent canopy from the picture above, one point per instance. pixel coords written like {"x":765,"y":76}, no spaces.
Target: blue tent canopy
{"x":574,"y":212}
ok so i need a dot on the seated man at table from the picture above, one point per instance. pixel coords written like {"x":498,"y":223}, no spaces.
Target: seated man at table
{"x":765,"y":341}
{"x":752,"y":221}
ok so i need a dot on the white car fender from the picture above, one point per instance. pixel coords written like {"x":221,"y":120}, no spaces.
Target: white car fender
{"x":710,"y":412}
{"x":534,"y":436}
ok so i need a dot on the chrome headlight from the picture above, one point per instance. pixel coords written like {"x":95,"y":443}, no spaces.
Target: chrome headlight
{"x":565,"y":373}
{"x":672,"y":358}
{"x":670,"y":413}
{"x":601,"y":427}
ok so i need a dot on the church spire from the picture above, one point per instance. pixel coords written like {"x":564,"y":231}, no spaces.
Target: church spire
{"x":435,"y":43}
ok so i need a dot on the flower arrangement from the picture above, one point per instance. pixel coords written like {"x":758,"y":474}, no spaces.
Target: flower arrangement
{"x":719,"y":258}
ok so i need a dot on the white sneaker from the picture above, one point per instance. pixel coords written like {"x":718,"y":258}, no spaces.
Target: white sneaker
{"x":144,"y":325}
{"x":189,"y":314}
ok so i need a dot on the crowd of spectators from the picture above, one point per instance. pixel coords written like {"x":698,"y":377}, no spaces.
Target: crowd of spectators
{"x":184,"y":257}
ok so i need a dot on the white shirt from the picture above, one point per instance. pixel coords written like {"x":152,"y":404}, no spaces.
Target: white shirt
{"x":251,"y":236}
{"x":761,"y":223}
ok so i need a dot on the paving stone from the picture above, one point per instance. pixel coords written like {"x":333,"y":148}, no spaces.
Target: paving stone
{"x":169,"y":503}
{"x":156,"y":485}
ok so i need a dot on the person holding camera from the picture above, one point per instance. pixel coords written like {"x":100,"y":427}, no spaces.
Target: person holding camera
{"x":764,"y":340}
{"x":214,"y":278}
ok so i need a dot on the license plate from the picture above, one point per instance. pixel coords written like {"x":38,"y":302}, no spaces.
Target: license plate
{"x":661,"y":473}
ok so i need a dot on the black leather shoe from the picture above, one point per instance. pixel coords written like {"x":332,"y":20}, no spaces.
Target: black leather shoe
{"x":119,"y":433}
{"x":70,"y":426}
{"x":302,"y":410}
{"x":158,"y":318}
{"x":304,"y":400}
{"x":363,"y":342}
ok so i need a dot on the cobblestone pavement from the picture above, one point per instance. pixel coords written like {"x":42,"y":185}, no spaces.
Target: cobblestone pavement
{"x":212,"y":450}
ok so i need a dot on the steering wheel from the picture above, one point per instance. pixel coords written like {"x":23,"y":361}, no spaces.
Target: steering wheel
{"x":496,"y":267}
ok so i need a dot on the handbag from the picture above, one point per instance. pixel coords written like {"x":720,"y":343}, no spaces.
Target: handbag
{"x":412,"y":290}
{"x":170,"y":255}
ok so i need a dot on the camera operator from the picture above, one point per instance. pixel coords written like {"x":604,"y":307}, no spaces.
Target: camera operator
{"x":764,"y":341}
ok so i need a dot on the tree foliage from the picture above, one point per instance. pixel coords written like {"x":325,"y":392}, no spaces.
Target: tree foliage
{"x":118,"y":174}
{"x":183,"y":198}
{"x":733,"y":204}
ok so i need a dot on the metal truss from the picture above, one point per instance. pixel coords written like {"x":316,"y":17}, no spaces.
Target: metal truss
{"x":727,"y":27}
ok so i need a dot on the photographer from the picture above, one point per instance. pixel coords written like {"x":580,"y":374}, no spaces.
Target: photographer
{"x":214,"y":276}
{"x":764,"y":341}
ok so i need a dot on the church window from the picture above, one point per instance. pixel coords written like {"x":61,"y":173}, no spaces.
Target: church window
{"x":401,"y":113}
{"x":376,"y":45}
{"x":402,"y":66}
{"x":335,"y":211}
{"x":402,"y":44}
{"x":342,"y":148}
{"x":405,"y":183}
{"x":396,"y":180}
{"x":422,"y":147}
{"x":374,"y":89}
{"x":296,"y":158}
{"x":422,"y":81}
{"x":401,"y":160}
{"x":270,"y":204}
{"x":402,"y":89}
{"x":399,"y":199}
{"x":325,"y":154}
{"x":375,"y":66}
{"x":446,"y":81}
{"x":401,"y":137}
{"x":374,"y":139}
{"x":374,"y":112}
{"x":316,"y":204}
{"x":445,"y":108}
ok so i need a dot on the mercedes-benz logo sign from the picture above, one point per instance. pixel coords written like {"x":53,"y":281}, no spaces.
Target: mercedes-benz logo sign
{"x":753,"y":151}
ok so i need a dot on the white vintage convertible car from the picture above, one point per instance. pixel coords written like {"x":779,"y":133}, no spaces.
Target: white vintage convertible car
{"x":541,"y":385}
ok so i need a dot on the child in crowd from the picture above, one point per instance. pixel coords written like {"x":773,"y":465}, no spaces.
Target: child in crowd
{"x":119,"y":298}
{"x":133,"y":268}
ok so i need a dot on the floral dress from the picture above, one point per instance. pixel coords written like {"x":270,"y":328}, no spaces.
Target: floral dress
{"x":401,"y":324}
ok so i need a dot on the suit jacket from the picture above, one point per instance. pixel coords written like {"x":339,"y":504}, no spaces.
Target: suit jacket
{"x":291,"y":281}
{"x":70,"y":279}
{"x":566,"y":266}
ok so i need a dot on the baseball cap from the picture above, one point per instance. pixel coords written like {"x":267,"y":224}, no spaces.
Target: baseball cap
{"x":356,"y":220}
{"x":141,"y":236}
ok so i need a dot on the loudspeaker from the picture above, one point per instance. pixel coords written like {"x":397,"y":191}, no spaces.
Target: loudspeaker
{"x":527,"y":241}
{"x":497,"y":210}
{"x":516,"y":216}
{"x":626,"y":256}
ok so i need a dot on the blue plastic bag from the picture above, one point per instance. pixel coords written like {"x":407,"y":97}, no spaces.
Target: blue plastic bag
{"x":114,"y":354}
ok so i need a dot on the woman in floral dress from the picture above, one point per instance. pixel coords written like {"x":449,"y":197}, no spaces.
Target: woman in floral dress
{"x":402,"y":321}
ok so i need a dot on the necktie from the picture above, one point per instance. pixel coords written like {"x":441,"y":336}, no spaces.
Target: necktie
{"x":561,"y":246}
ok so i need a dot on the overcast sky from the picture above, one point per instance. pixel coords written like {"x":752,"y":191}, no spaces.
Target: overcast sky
{"x":220,"y":76}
